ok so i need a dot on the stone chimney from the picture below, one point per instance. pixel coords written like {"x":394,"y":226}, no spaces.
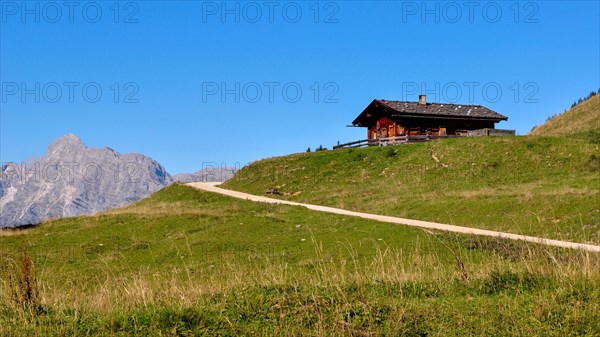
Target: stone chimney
{"x":422,"y":100}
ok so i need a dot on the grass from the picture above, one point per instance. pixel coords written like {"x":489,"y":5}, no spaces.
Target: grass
{"x":540,"y":186}
{"x":189,"y":263}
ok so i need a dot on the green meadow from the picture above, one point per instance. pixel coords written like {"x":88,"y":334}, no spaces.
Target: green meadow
{"x":190,"y":263}
{"x":540,"y":186}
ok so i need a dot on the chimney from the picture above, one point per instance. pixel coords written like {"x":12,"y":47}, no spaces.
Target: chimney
{"x":422,"y":100}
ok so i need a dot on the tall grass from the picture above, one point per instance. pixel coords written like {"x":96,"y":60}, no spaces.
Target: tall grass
{"x":332,"y":292}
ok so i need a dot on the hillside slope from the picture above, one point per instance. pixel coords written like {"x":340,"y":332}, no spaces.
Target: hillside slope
{"x":541,"y":186}
{"x":584,"y":117}
{"x":189,"y":263}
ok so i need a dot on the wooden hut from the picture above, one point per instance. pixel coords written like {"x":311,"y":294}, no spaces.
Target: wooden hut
{"x":385,"y":119}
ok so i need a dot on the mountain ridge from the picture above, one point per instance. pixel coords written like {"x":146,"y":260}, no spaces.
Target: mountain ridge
{"x":72,"y":179}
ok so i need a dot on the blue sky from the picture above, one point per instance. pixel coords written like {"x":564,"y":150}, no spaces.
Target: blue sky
{"x":194,"y":82}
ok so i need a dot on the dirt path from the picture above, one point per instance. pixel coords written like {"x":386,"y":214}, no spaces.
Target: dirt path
{"x":211,"y":187}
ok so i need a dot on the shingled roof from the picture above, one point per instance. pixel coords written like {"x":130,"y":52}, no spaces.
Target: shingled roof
{"x":428,"y":110}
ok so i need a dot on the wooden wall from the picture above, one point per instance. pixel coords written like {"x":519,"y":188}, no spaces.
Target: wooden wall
{"x":386,"y":127}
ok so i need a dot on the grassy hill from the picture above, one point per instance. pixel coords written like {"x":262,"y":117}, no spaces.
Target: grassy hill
{"x":541,"y":186}
{"x":583,"y":117}
{"x":189,"y":263}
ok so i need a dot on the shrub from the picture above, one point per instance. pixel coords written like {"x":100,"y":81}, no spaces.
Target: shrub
{"x":594,"y":163}
{"x":360,"y":156}
{"x":390,"y":152}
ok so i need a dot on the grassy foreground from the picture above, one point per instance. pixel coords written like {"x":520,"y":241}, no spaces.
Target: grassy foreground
{"x":541,"y":186}
{"x":190,"y":263}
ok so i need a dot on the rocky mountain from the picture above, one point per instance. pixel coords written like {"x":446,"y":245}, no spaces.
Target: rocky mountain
{"x":207,"y":174}
{"x":72,"y":179}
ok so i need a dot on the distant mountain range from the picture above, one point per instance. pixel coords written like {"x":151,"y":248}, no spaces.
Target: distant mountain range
{"x":207,"y":174}
{"x":72,"y":180}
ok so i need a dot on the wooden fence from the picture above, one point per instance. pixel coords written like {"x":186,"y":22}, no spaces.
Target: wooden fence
{"x":389,"y":141}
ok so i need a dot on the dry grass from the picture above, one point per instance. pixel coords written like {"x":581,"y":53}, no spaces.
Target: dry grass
{"x":186,"y":286}
{"x":171,"y":209}
{"x":581,"y":118}
{"x":12,"y":232}
{"x":524,"y":190}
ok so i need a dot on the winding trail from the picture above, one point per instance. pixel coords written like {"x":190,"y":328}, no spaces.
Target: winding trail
{"x":211,"y":187}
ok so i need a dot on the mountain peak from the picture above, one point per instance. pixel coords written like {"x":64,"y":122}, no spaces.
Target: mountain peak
{"x":68,"y":141}
{"x":72,"y":179}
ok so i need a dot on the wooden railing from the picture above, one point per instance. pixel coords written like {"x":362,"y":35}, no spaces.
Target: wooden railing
{"x":389,"y":141}
{"x":358,"y":143}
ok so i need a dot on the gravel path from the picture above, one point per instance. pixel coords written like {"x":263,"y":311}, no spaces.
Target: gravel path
{"x":211,"y":187}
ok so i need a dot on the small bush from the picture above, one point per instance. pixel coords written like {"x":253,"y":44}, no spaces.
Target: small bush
{"x":508,"y":281}
{"x":390,"y":152}
{"x":594,"y":163}
{"x":360,"y":156}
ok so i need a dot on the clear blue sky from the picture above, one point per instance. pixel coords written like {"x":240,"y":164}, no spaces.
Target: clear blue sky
{"x":171,"y":62}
